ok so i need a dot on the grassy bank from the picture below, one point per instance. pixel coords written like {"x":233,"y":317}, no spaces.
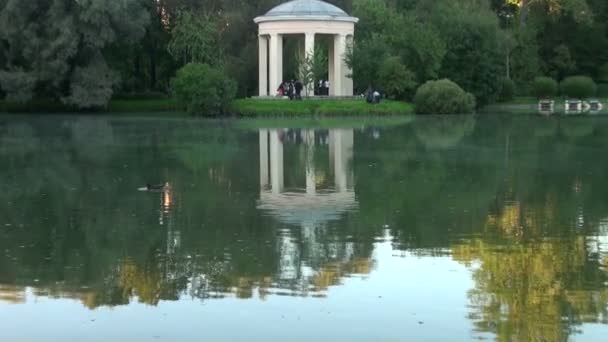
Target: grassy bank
{"x":284,"y":108}
{"x":241,"y":107}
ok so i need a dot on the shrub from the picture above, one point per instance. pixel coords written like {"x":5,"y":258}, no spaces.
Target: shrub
{"x":396,"y":79}
{"x":602,"y":75}
{"x":544,"y":87}
{"x":602,"y":90}
{"x":443,"y":97}
{"x":507,"y":90}
{"x":578,"y":87}
{"x":203,"y":89}
{"x":142,"y":95}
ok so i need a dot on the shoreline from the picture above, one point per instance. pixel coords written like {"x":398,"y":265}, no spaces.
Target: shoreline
{"x":245,"y":108}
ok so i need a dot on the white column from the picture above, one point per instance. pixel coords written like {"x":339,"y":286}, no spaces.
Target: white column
{"x":309,"y":46}
{"x":339,"y":70}
{"x":275,"y":62}
{"x":263,"y":61}
{"x":330,"y":64}
{"x":276,"y":162}
{"x":264,"y":176}
{"x":280,"y":59}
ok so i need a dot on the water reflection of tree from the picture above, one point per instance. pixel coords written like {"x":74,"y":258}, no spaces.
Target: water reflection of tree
{"x":513,"y":200}
{"x":443,"y":132}
{"x":530,"y":291}
{"x":536,"y":278}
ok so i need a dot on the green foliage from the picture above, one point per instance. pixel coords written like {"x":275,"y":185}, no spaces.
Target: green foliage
{"x":311,"y":68}
{"x":91,"y":86}
{"x":384,"y":32}
{"x":544,"y":87}
{"x":524,"y":61}
{"x":312,"y":108}
{"x":397,"y":81}
{"x":472,"y":35}
{"x":578,"y":87}
{"x":203,"y":90}
{"x":194,"y":39}
{"x":53,"y":49}
{"x":443,"y":97}
{"x":365,"y":59}
{"x":602,"y":76}
{"x":602,"y":90}
{"x":507,"y":90}
{"x":561,"y":62}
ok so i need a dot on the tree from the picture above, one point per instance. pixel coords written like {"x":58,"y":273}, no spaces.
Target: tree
{"x":525,"y":59}
{"x":311,"y":68}
{"x":577,"y":8}
{"x":561,"y":64}
{"x":365,"y":58}
{"x":396,"y":79}
{"x":54,"y":48}
{"x":383,"y":31}
{"x":195,"y":39}
{"x":474,"y":58}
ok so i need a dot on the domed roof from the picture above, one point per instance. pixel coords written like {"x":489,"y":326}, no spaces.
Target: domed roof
{"x":306,"y":7}
{"x":303,"y":9}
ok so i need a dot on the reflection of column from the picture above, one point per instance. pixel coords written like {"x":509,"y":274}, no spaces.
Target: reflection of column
{"x":289,"y":258}
{"x":276,"y":161}
{"x":264,"y":176}
{"x":263,"y":68}
{"x":342,"y":143}
{"x":311,"y":183}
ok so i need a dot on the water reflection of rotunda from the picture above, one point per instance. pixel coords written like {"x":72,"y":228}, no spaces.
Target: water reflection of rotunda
{"x":312,"y":201}
{"x":307,"y":182}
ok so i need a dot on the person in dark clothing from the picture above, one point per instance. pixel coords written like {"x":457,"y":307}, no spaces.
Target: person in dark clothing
{"x":369,"y":95}
{"x":377,"y":97}
{"x":299,"y":88}
{"x":290,"y":90}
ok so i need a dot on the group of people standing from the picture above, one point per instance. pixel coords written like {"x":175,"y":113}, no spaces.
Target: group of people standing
{"x":291,"y":89}
{"x":372,"y":96}
{"x":323,"y":88}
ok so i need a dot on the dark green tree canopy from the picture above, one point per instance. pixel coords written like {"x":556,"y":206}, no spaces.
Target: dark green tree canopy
{"x":84,"y":52}
{"x":54,"y":48}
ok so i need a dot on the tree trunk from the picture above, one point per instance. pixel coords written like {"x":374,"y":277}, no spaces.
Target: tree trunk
{"x":524,"y":12}
{"x":153,"y":76}
{"x":137,"y":72}
{"x":508,"y":64}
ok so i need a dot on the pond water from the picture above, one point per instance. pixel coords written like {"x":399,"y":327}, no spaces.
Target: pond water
{"x":431,"y":229}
